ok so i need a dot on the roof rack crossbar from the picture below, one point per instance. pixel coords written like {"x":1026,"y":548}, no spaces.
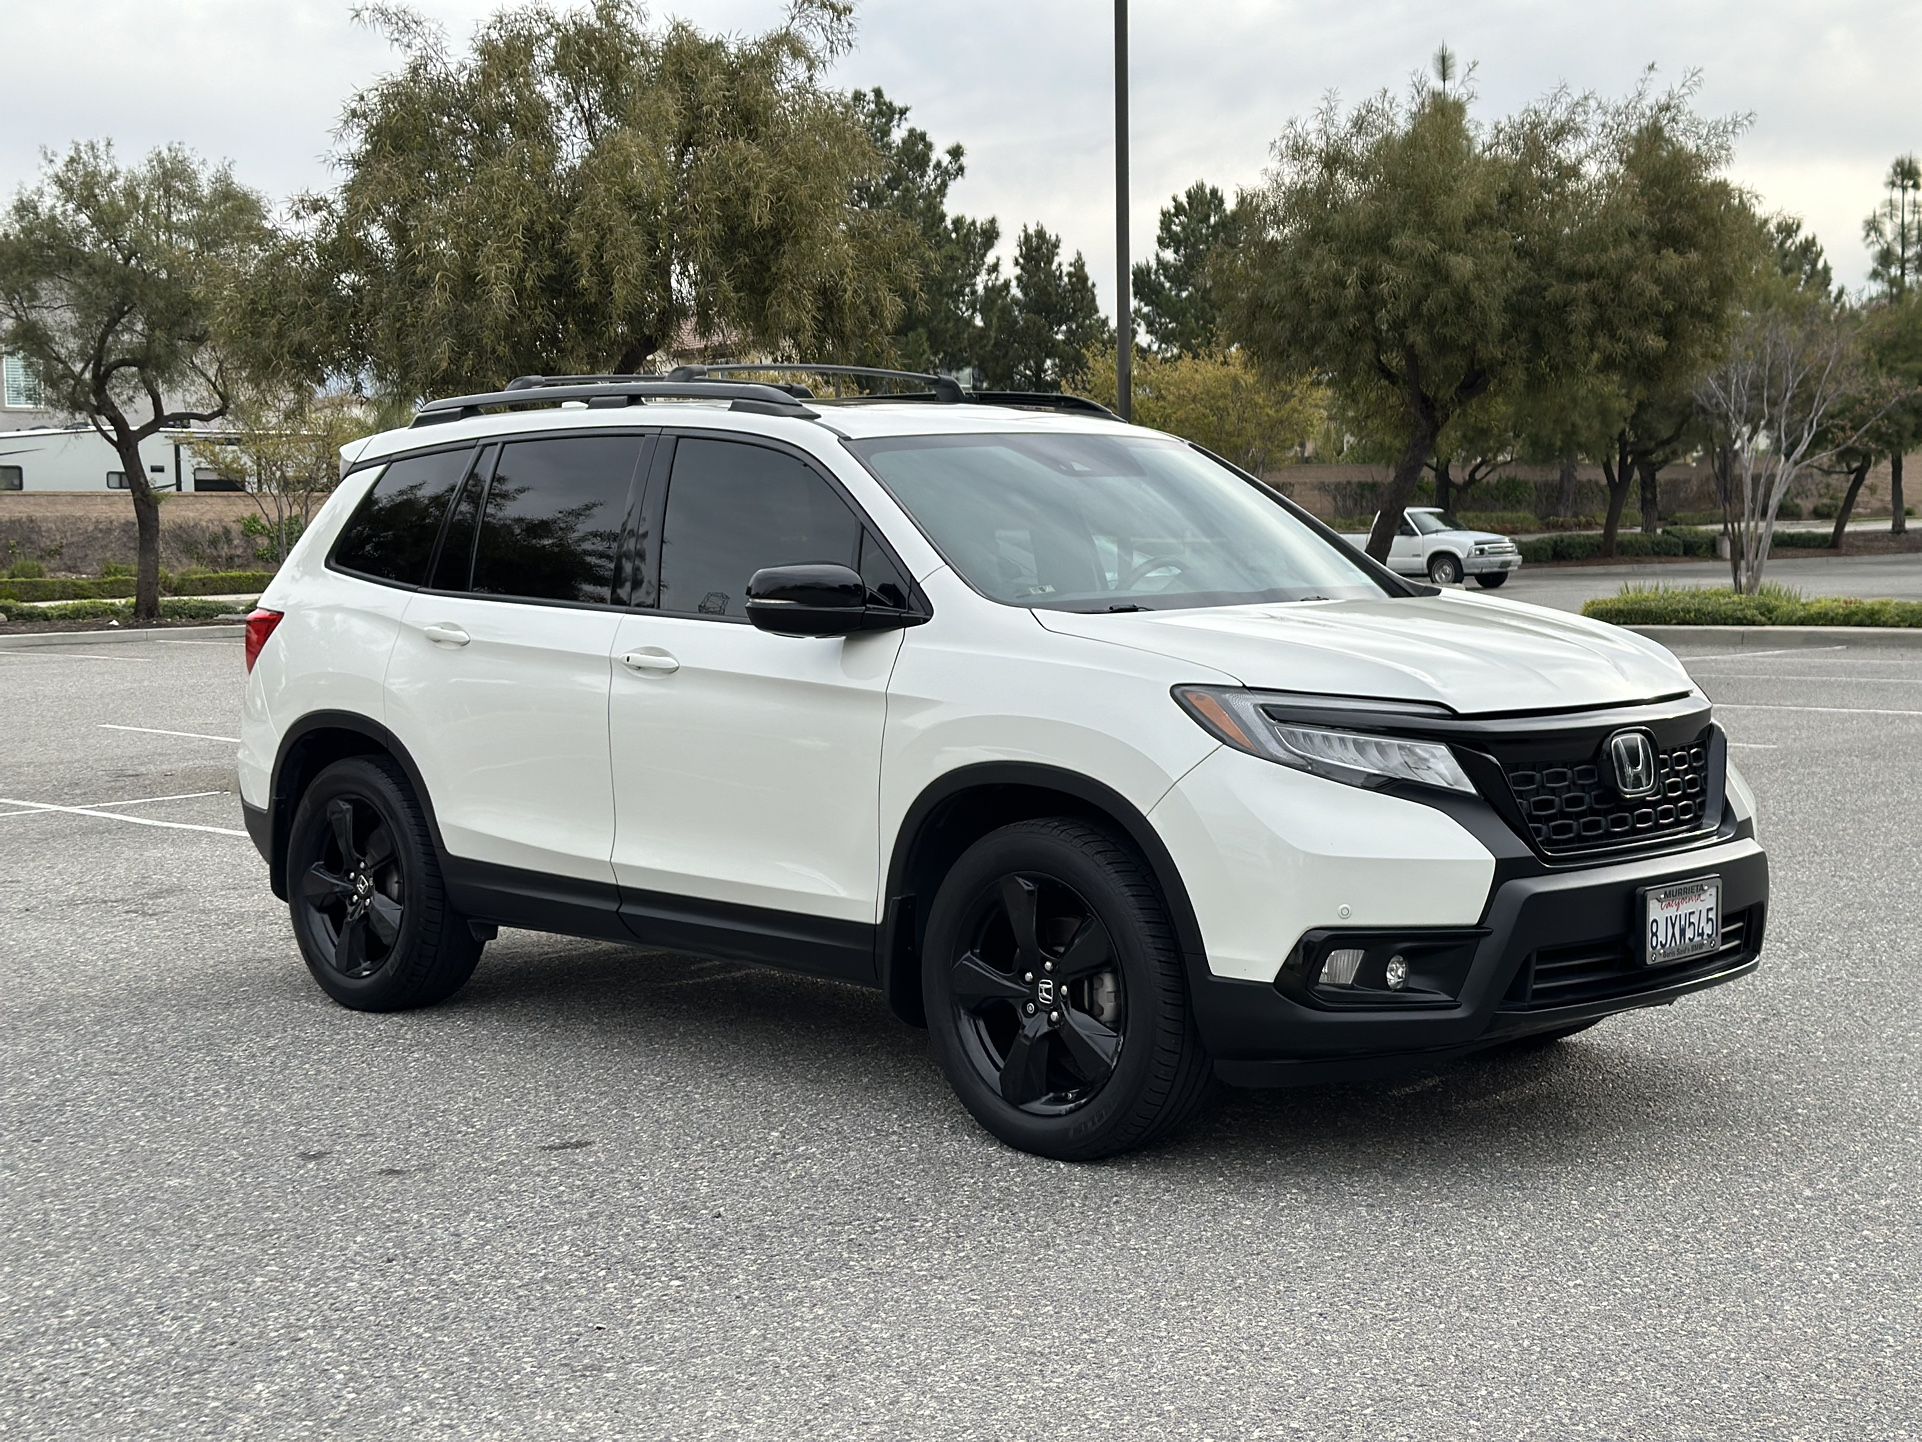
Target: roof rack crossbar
{"x":946,"y":389}
{"x":526,"y":391}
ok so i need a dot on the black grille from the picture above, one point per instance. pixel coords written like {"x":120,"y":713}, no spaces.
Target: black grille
{"x":1601,"y":970}
{"x":1570,"y":802}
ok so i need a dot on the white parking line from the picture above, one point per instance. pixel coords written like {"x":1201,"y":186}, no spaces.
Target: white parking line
{"x":116,"y":816}
{"x":1771,"y":676}
{"x":1823,"y":710}
{"x":135,"y":801}
{"x":72,"y":655}
{"x":1756,"y":745}
{"x":1743,"y":655}
{"x":156,"y":731}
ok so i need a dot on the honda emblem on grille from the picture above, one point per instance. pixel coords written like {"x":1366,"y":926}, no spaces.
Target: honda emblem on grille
{"x":1634,"y":756}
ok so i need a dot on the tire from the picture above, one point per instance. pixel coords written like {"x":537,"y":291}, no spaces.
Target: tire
{"x":365,"y":892}
{"x":1491,"y":580}
{"x":1444,"y":570}
{"x":1108,"y":1058}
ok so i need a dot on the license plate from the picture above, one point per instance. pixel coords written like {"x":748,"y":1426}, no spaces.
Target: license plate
{"x":1681,"y":920}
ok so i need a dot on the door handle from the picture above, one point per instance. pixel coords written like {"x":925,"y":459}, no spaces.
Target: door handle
{"x":445,"y":633}
{"x":651,"y":661}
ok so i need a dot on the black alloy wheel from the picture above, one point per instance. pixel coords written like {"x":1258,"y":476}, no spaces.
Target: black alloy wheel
{"x":356,"y":892}
{"x":1057,"y":993}
{"x":1040,"y":1001}
{"x":365,"y":892}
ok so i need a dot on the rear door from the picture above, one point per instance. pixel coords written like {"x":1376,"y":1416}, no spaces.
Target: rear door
{"x":499,"y":681}
{"x":747,"y":765}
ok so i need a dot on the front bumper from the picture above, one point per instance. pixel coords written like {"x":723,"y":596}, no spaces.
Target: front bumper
{"x":1498,"y":561}
{"x":1576,"y":923}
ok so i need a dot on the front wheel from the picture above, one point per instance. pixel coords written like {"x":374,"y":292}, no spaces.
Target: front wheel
{"x":1444,"y":570}
{"x":1489,"y":580}
{"x":365,"y":892}
{"x":1056,"y":999}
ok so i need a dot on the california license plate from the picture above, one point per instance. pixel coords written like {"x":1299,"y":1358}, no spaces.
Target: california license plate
{"x":1681,"y":920}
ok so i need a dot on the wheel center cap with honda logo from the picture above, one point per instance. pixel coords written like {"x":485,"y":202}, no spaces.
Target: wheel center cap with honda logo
{"x":1633,"y":756}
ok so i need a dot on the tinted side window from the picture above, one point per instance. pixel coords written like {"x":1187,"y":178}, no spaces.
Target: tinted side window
{"x":552,"y":520}
{"x":392,"y":534}
{"x":732,"y":509}
{"x":454,"y":567}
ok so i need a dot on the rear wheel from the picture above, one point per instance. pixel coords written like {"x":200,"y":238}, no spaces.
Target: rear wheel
{"x":1489,"y":580}
{"x":1444,"y":570}
{"x":364,"y":889}
{"x":1056,"y":1000}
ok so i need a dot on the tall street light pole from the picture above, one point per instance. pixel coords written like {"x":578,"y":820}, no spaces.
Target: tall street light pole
{"x":1124,"y":300}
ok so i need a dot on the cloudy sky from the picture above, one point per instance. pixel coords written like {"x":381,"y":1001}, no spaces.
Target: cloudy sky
{"x":1025,"y":85}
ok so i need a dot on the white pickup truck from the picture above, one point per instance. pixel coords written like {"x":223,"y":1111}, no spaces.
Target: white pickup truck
{"x":1434,"y":544}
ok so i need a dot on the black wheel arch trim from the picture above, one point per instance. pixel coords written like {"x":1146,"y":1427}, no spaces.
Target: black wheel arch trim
{"x":905,"y":916}
{"x":281,"y":802}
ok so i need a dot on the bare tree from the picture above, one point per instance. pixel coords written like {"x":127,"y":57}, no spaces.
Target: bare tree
{"x":1771,"y":404}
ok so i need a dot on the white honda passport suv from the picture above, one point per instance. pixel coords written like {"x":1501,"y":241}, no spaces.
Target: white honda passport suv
{"x":1099,"y":758}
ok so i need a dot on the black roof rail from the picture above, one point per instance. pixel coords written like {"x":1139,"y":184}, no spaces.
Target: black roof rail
{"x":1042,"y":401}
{"x":597,"y":391}
{"x":945,"y":389}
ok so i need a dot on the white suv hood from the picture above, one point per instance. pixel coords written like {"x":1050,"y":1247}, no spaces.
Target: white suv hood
{"x":1471,"y":654}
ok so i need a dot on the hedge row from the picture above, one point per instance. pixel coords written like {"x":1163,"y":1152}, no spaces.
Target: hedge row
{"x":187,"y":583}
{"x":1677,"y":606}
{"x":171,"y":609}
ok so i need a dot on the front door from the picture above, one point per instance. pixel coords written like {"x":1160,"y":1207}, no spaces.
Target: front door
{"x":1404,"y":553}
{"x":747,"y":765}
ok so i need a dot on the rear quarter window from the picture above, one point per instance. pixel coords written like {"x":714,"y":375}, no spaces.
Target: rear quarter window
{"x":392,"y":533}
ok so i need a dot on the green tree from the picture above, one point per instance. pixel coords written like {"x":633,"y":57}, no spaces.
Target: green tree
{"x":1893,"y":233}
{"x":1670,"y":247}
{"x":578,"y":190}
{"x":1219,"y":400}
{"x":1404,"y":250}
{"x":286,"y":441}
{"x":1040,"y":324}
{"x":1799,"y":256}
{"x":1173,"y":302}
{"x":111,"y":282}
{"x":940,"y":324}
{"x":1892,"y":338}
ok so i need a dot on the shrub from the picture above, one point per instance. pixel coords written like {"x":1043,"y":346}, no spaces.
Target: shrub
{"x":1789,"y":510}
{"x":26,"y":570}
{"x":63,"y":588}
{"x":1826,"y":509}
{"x":1537,"y":549}
{"x":1693,"y":541}
{"x":1800,"y":541}
{"x":219,"y":583}
{"x":171,"y":609}
{"x":1577,"y":547}
{"x":111,"y":569}
{"x":1773,"y":606}
{"x":1501,"y":522}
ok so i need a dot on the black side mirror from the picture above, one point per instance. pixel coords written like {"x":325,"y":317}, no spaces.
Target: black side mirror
{"x":818,"y":599}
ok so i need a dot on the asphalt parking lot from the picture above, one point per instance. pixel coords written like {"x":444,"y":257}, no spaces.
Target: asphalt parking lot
{"x":606,"y":1193}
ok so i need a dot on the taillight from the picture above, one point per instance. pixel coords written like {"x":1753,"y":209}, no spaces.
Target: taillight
{"x":260,"y":625}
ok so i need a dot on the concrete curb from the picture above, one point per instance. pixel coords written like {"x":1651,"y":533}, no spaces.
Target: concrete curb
{"x":1786,"y":638}
{"x":28,"y":640}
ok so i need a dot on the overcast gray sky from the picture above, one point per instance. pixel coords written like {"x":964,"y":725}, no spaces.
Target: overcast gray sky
{"x":1025,"y":85}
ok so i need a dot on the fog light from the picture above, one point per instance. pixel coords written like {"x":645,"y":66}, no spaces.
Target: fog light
{"x":1396,"y":974}
{"x":1339,"y":969}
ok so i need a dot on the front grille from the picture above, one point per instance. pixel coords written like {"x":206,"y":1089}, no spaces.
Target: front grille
{"x":1603,"y":970}
{"x":1570,"y":802}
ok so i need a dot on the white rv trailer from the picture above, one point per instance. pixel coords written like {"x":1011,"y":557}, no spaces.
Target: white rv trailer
{"x":77,"y":458}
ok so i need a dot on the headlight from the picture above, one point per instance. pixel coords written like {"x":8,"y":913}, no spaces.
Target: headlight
{"x":1358,"y":758}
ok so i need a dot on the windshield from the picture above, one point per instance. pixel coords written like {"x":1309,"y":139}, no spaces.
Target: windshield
{"x":1106,"y":523}
{"x":1429,"y":522}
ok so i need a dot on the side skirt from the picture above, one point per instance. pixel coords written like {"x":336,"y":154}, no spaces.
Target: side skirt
{"x":602,"y":911}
